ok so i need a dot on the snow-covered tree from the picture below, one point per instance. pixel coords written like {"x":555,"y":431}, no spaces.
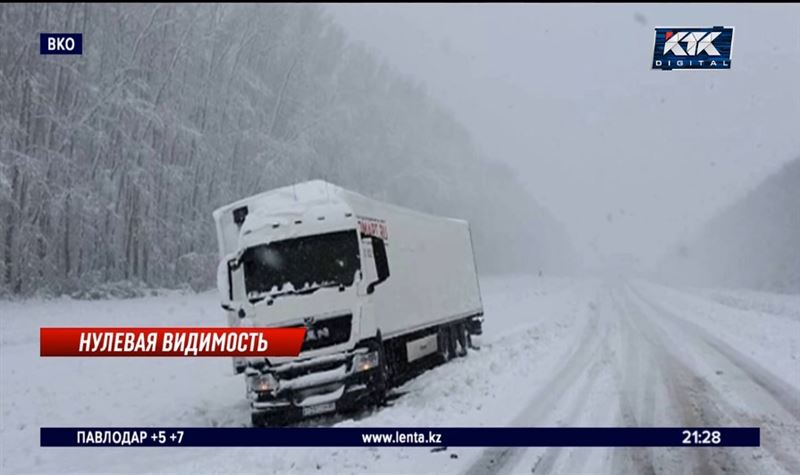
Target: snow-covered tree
{"x":111,"y":162}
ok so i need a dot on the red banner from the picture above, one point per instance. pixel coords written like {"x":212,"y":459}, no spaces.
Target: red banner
{"x":161,"y":341}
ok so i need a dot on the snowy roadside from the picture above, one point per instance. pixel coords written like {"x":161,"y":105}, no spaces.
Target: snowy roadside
{"x":770,"y":337}
{"x":529,"y":324}
{"x":105,"y":391}
{"x":783,"y":305}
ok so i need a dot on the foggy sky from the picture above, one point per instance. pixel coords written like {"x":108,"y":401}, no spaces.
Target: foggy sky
{"x":629,"y":159}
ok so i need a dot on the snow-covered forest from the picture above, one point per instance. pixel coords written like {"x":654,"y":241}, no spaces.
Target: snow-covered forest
{"x":111,"y":162}
{"x":753,"y":243}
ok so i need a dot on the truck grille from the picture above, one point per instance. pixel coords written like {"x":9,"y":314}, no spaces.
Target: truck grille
{"x":327,"y":332}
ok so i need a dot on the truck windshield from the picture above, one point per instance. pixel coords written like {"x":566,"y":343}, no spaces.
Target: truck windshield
{"x":301,"y":264}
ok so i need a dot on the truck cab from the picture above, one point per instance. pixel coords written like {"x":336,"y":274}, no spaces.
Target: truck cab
{"x":301,"y":259}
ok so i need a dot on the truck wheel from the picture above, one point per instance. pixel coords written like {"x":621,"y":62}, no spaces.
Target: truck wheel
{"x":445,"y":343}
{"x":461,"y":338}
{"x":471,"y":345}
{"x":269,"y":419}
{"x":382,"y":384}
{"x":258,"y":419}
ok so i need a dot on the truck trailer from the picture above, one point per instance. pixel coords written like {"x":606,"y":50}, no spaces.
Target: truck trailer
{"x":382,"y":291}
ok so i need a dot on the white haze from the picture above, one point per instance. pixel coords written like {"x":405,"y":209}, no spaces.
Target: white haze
{"x":630,"y":160}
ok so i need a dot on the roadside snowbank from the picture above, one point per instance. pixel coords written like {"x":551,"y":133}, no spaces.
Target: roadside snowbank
{"x":759,"y":325}
{"x":527,"y":319}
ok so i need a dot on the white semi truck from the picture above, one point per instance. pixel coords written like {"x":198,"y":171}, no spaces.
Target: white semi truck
{"x":382,"y":291}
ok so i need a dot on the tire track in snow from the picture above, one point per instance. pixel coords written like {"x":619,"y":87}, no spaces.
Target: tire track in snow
{"x":782,"y":392}
{"x":656,"y":383}
{"x":498,"y":459}
{"x":633,"y":354}
{"x":697,"y":395}
{"x":577,"y":456}
{"x":676,"y":383}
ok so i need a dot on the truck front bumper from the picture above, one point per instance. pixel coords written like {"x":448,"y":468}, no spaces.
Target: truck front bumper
{"x":312,"y":386}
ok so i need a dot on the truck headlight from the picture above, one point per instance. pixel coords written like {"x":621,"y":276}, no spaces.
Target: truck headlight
{"x":366,"y":361}
{"x":262,"y":383}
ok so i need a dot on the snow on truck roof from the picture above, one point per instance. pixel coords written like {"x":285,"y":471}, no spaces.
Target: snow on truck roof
{"x":298,"y":199}
{"x":292,"y":196}
{"x":318,"y":206}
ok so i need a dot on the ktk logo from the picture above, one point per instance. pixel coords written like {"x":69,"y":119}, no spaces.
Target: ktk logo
{"x":696,"y":43}
{"x":693,"y":48}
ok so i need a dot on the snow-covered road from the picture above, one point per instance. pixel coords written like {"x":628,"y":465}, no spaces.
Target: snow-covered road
{"x":555,"y":352}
